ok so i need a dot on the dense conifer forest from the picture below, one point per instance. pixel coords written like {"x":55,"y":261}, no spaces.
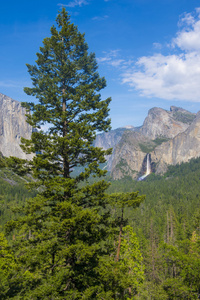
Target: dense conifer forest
{"x":166,"y":224}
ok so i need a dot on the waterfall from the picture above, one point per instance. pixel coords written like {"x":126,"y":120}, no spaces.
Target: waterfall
{"x":148,"y":171}
{"x":148,"y":168}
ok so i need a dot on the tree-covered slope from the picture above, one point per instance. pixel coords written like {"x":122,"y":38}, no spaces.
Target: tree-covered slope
{"x":168,"y":226}
{"x":13,"y":192}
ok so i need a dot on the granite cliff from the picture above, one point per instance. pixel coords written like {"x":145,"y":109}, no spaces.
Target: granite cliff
{"x":181,"y":148}
{"x":162,"y":123}
{"x":128,"y":157}
{"x":13,"y":126}
{"x":170,"y":137}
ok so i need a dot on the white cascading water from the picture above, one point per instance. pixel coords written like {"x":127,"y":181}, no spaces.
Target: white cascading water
{"x":148,"y":170}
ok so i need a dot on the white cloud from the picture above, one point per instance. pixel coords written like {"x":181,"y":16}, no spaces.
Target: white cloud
{"x":186,"y":19}
{"x":167,"y":77}
{"x":112,"y":58}
{"x":188,"y":38}
{"x":157,"y":46}
{"x":100,"y":18}
{"x":174,"y":76}
{"x":74,"y":3}
{"x":117,"y":62}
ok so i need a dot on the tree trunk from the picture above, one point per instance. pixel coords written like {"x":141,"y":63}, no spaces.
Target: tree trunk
{"x":65,"y":158}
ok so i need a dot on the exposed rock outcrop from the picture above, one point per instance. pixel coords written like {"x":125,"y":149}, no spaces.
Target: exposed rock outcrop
{"x":127,"y":157}
{"x":179,"y":127}
{"x":13,"y":126}
{"x":108,"y":140}
{"x":162,"y":123}
{"x":182,"y":148}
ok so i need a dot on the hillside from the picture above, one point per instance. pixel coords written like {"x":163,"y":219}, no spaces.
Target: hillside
{"x":168,"y":226}
{"x":165,"y":222}
{"x":13,"y":193}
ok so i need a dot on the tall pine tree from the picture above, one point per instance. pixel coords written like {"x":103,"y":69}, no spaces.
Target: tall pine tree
{"x":62,"y":237}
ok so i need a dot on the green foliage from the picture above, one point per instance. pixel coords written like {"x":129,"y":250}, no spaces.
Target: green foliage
{"x":184,"y":117}
{"x":147,"y":147}
{"x":6,"y":260}
{"x":2,"y":161}
{"x":183,"y":262}
{"x":18,"y":165}
{"x":8,"y":270}
{"x":167,"y":225}
{"x":183,"y":168}
{"x":65,"y":236}
{"x":123,"y":200}
{"x":122,"y":277}
{"x":131,"y":259}
{"x":150,"y":146}
{"x":13,"y":194}
{"x":159,"y":140}
{"x":124,"y":168}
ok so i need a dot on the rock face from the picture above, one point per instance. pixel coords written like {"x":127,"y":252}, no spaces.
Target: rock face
{"x":13,"y":126}
{"x":181,"y":148}
{"x":162,"y":123}
{"x":128,"y":158}
{"x":110,"y":140}
{"x":170,"y":137}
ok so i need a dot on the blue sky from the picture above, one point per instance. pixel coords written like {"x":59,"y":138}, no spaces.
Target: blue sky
{"x":148,"y":50}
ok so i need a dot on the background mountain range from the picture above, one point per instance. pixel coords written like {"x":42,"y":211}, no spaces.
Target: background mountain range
{"x":170,"y":137}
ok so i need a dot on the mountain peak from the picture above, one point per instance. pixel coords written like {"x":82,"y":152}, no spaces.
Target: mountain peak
{"x":180,"y":109}
{"x":163,"y":123}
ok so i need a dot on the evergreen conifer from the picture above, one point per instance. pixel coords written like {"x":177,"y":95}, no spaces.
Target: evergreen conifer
{"x":65,"y":234}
